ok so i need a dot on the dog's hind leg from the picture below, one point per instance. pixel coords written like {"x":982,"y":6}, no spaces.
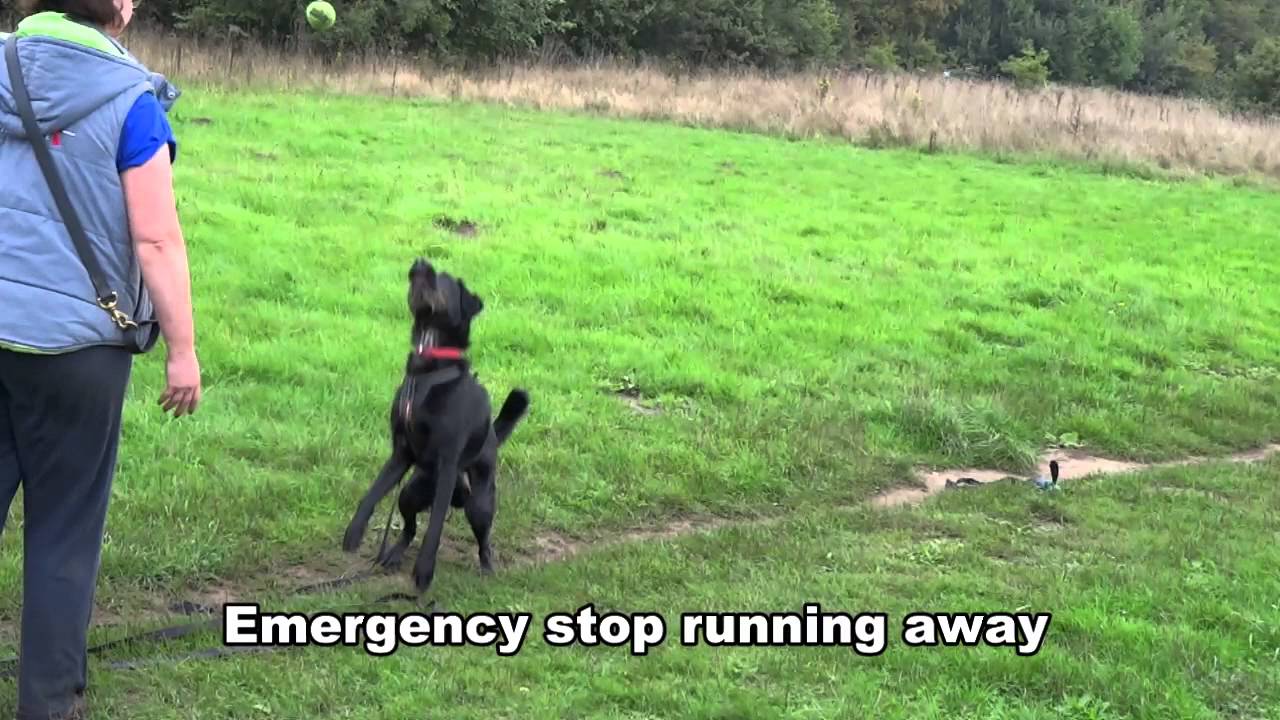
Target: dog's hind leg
{"x":394,"y":469}
{"x":481,"y":507}
{"x":414,"y":498}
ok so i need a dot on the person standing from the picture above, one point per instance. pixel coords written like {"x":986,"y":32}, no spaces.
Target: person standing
{"x":64,"y":364}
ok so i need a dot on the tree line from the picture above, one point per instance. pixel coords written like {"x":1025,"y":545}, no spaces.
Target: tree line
{"x":1226,"y":50}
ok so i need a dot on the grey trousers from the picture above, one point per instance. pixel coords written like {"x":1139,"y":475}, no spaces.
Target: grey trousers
{"x":59,"y":430}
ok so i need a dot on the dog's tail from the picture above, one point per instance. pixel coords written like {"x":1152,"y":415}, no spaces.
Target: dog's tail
{"x":510,"y":414}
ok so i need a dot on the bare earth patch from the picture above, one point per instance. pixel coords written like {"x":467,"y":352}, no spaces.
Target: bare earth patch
{"x":626,"y":390}
{"x":638,"y":405}
{"x":463,"y":228}
{"x":553,"y":547}
{"x":1072,"y":464}
{"x":1048,"y":527}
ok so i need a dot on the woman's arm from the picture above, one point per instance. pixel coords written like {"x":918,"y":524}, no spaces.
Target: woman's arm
{"x":162,"y":254}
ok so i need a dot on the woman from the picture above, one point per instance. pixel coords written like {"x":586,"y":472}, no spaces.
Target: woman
{"x":64,"y":366}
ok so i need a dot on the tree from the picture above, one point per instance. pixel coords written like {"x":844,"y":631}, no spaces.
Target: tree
{"x":1113,"y":44}
{"x":607,"y":26}
{"x":799,"y":31}
{"x":911,"y":27}
{"x":1177,"y":57}
{"x":1258,"y":76}
{"x":1028,"y":70}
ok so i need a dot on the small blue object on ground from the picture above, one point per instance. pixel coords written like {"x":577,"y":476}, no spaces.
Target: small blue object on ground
{"x":1049,"y":483}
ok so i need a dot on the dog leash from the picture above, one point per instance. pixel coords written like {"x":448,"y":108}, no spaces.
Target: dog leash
{"x":9,"y":667}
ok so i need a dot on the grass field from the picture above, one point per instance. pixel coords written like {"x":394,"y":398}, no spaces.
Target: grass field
{"x":715,"y":325}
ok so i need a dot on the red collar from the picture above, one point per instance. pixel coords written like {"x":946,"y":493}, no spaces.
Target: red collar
{"x":441,"y":353}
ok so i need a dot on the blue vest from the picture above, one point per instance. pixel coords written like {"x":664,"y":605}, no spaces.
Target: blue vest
{"x":80,"y":95}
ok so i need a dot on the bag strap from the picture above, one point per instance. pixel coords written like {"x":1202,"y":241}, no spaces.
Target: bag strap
{"x":106,"y":299}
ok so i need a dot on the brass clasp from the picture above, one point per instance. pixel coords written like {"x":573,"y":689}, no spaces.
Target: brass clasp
{"x":121,"y":320}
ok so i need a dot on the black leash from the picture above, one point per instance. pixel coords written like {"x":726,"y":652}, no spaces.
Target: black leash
{"x":9,"y":668}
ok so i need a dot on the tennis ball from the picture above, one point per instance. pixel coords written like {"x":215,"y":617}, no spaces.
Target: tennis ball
{"x":320,"y":15}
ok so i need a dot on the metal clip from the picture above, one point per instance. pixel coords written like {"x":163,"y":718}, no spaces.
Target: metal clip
{"x":121,"y":320}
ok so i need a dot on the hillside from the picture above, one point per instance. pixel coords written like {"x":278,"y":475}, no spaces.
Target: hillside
{"x":721,"y":332}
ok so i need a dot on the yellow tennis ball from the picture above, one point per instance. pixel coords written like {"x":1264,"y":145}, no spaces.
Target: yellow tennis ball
{"x":320,"y":15}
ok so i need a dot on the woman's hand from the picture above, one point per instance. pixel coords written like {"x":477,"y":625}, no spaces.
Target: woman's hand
{"x":182,"y":376}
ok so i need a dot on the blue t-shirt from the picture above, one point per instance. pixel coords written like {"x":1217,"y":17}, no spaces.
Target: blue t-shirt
{"x":146,"y":130}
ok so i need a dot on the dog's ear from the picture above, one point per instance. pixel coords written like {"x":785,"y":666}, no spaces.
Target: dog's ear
{"x":472,"y":304}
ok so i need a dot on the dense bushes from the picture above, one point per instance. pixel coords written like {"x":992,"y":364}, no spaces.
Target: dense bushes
{"x":1258,"y":79}
{"x":1225,"y":49}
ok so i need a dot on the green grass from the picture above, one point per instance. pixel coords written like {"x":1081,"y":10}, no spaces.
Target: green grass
{"x":1174,"y":618}
{"x":809,"y":320}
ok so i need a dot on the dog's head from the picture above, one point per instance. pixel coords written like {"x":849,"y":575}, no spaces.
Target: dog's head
{"x":442,"y":306}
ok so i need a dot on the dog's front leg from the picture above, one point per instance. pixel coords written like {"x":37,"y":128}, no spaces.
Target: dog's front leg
{"x":414,"y":498}
{"x":394,"y":469}
{"x":424,"y":569}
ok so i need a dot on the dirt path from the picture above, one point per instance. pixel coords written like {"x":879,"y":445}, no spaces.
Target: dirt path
{"x":554,"y":547}
{"x":1073,"y":465}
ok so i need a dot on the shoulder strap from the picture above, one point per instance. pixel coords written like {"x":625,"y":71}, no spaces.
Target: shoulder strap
{"x":106,"y":299}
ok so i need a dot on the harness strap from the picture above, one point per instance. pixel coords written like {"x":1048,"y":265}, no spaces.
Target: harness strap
{"x":410,"y":394}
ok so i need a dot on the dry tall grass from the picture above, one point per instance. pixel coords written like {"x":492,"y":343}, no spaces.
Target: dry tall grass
{"x":1182,"y":137}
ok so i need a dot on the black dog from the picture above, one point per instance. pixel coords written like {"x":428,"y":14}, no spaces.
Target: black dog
{"x":440,"y":425}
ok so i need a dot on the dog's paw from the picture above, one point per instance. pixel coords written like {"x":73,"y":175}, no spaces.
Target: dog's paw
{"x":422,"y":578}
{"x":351,"y":541}
{"x":392,"y":558}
